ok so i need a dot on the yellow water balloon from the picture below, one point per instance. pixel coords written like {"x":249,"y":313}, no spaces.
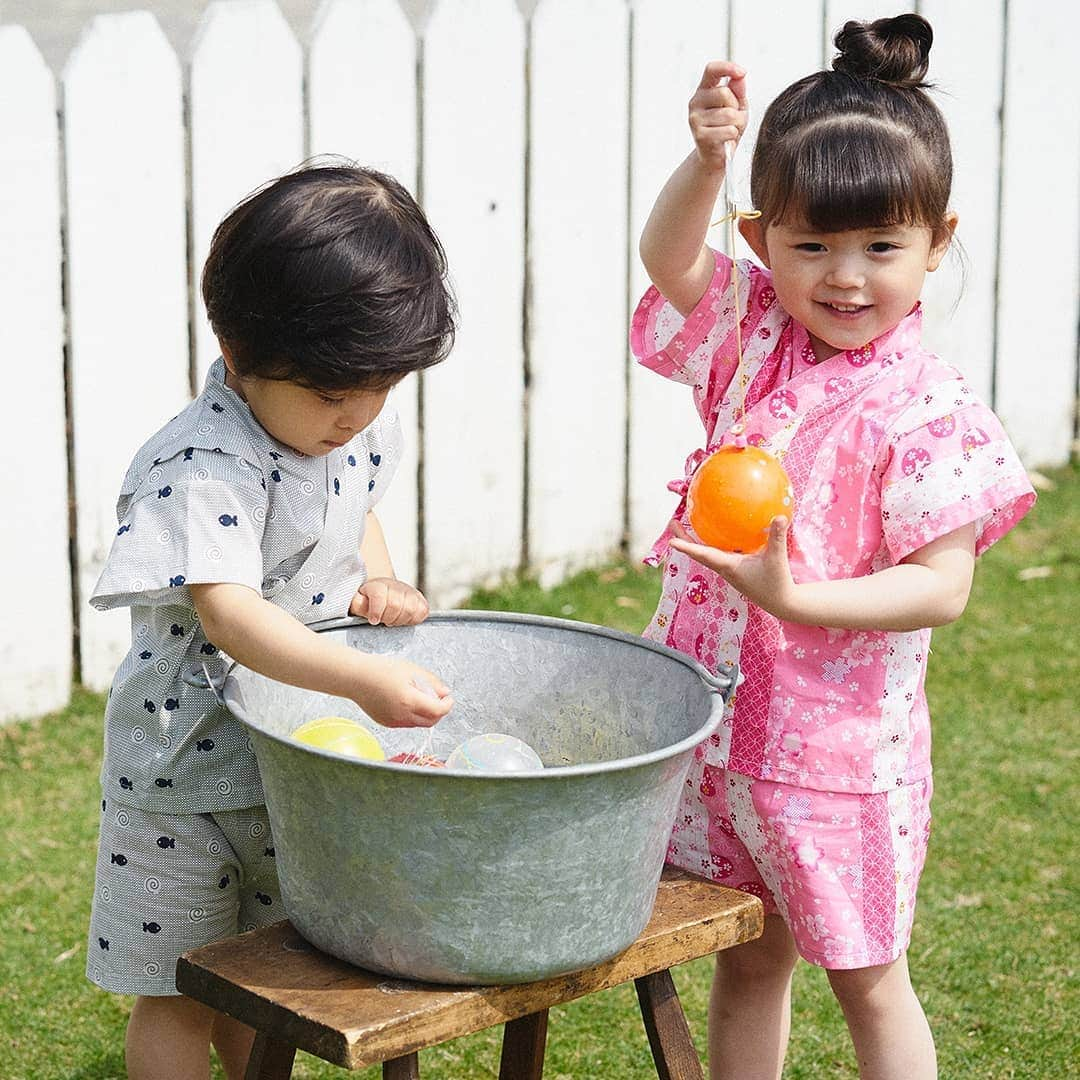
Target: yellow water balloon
{"x":341,"y":735}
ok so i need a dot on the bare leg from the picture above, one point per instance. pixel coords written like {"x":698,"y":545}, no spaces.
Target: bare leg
{"x":750,"y":1006}
{"x":168,"y":1038}
{"x":232,"y":1040}
{"x":887,"y":1024}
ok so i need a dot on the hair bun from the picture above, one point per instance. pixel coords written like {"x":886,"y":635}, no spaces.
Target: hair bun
{"x":895,"y":51}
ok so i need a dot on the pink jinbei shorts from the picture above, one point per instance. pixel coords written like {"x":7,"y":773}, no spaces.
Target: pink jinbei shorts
{"x":841,"y":869}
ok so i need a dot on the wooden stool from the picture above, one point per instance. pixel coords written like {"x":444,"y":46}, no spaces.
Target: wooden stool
{"x":296,"y":997}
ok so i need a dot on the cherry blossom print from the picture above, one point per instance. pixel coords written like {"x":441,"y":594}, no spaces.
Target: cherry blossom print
{"x":756,"y":439}
{"x":826,"y":495}
{"x":806,"y":853}
{"x":767,"y":297}
{"x":697,"y":590}
{"x":835,"y":671}
{"x":792,"y":744}
{"x":973,"y":438}
{"x":838,"y":948}
{"x":860,"y":653}
{"x":942,"y":427}
{"x":861,"y":357}
{"x":783,"y":404}
{"x":722,"y":867}
{"x":838,"y":384}
{"x":797,"y":808}
{"x":915,"y":460}
{"x":755,"y":888}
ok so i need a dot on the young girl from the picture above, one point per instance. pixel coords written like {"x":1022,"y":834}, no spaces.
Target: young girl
{"x":246,"y":517}
{"x":815,"y":795}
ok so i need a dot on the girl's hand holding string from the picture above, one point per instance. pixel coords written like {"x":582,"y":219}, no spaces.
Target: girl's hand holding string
{"x":718,"y":112}
{"x":673,"y":249}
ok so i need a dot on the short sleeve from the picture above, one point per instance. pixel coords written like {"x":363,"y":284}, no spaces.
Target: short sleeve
{"x":198,"y":520}
{"x":679,"y":348}
{"x":947,"y":470}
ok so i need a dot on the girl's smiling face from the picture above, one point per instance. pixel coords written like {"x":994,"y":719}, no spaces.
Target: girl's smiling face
{"x":309,"y":421}
{"x":850,"y":287}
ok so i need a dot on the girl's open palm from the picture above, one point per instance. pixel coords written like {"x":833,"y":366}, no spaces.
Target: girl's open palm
{"x":763,"y":578}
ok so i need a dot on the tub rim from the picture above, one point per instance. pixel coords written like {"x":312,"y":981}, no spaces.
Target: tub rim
{"x":720,"y":685}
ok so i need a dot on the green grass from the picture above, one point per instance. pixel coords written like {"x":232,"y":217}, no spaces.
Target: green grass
{"x":993,"y":954}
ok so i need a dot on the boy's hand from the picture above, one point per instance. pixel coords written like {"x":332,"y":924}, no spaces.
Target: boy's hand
{"x":389,"y":601}
{"x":398,"y":693}
{"x":718,"y":112}
{"x":763,"y":578}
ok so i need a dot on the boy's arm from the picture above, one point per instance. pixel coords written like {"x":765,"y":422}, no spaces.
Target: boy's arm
{"x":672,"y":243}
{"x":373,"y":549}
{"x":928,"y":588}
{"x":267,"y":639}
{"x":383,"y":598}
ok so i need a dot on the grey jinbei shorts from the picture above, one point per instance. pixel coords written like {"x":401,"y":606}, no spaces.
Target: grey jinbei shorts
{"x":167,"y":883}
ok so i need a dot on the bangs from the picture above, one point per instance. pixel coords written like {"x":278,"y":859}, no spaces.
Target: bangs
{"x":850,"y":172}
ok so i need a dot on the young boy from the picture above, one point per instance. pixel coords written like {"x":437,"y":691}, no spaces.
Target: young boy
{"x":248,"y":516}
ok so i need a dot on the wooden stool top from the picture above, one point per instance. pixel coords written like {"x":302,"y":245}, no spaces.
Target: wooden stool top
{"x":274,"y":981}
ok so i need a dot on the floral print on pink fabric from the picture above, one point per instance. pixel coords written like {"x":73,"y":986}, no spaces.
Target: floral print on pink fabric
{"x":887,"y":449}
{"x":842,"y":869}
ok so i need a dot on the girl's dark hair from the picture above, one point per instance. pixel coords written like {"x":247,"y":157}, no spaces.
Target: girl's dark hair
{"x":330,"y":277}
{"x":862,"y":145}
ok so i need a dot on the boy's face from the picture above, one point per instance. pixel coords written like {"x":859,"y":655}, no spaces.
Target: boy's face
{"x":312,"y":422}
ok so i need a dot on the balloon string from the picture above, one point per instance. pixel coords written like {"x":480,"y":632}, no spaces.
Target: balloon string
{"x":732,"y":215}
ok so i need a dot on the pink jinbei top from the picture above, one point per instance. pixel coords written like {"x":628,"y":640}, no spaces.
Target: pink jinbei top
{"x":887,"y":449}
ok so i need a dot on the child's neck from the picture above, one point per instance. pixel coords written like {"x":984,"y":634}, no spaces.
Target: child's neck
{"x":822,"y":349}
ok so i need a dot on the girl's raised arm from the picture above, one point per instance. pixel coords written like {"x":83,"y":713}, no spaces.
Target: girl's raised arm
{"x":672,"y":243}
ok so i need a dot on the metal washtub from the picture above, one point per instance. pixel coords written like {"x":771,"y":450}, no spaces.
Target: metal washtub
{"x":464,"y":877}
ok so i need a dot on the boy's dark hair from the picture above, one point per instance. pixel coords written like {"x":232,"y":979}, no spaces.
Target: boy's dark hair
{"x":862,"y":145}
{"x":330,"y":277}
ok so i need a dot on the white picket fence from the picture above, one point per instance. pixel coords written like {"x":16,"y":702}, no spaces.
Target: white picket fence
{"x":536,"y":147}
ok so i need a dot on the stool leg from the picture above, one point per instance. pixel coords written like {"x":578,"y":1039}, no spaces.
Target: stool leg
{"x":523,"y":1045}
{"x":270,"y":1059}
{"x":402,"y":1068}
{"x":665,"y":1023}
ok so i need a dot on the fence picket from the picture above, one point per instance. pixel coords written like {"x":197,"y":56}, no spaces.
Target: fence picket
{"x":959,"y":297}
{"x":35,"y":638}
{"x":773,"y":61}
{"x":473,"y":192}
{"x":672,"y":42}
{"x":577,"y":244}
{"x":1035,"y":375}
{"x":124,"y":147}
{"x":447,"y":116}
{"x":246,"y":101}
{"x":838,"y":12}
{"x":362,"y":105}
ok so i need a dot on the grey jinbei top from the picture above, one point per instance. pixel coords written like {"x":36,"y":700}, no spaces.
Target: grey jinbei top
{"x":212,"y":497}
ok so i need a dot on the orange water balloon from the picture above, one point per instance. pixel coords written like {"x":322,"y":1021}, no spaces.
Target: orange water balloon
{"x":735,"y":493}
